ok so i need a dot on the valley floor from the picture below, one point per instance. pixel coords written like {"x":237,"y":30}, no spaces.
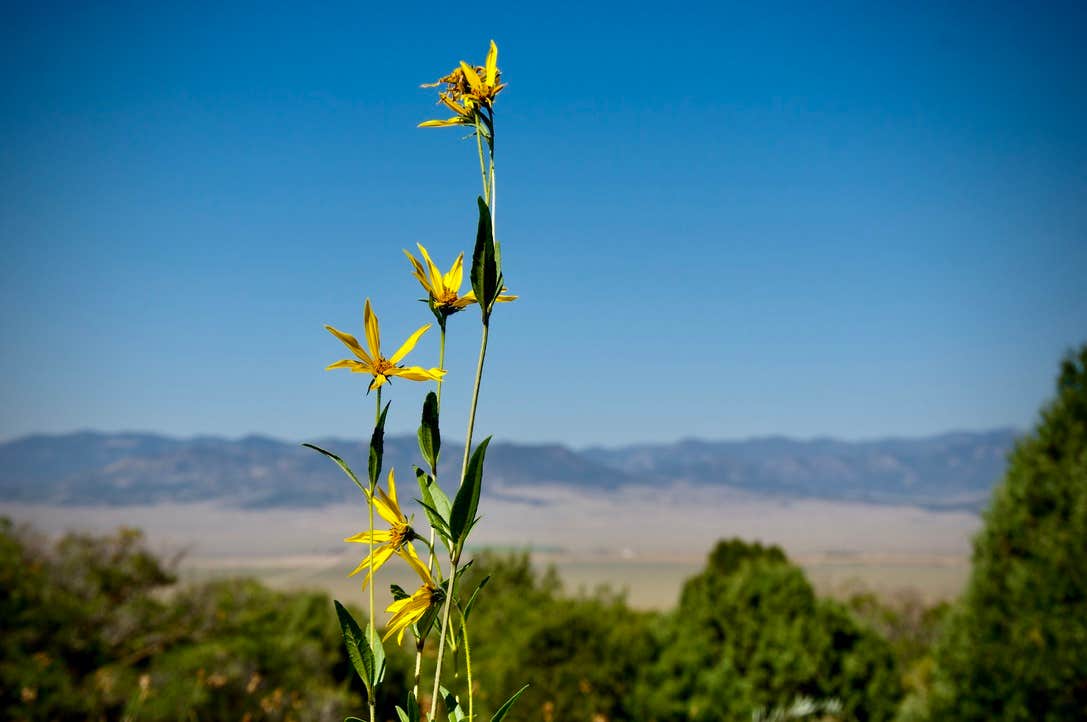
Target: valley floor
{"x":646,"y":541}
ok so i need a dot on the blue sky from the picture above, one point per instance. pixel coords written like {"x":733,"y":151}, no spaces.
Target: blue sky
{"x":723,"y":220}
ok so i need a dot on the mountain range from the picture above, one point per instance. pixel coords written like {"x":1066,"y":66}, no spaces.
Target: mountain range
{"x":954,"y":470}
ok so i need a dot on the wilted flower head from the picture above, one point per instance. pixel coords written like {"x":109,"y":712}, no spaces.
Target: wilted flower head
{"x":468,"y":90}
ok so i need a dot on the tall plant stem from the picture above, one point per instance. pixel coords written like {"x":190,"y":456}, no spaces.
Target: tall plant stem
{"x":420,"y":643}
{"x":490,"y":198}
{"x":455,"y":560}
{"x":482,"y":167}
{"x":467,"y":666}
{"x":475,"y":401}
{"x":441,"y":366}
{"x":373,"y":625}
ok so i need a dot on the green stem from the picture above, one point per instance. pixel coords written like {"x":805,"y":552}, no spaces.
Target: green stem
{"x":455,"y":560}
{"x":373,"y":625}
{"x":490,"y":198}
{"x":467,"y":666}
{"x":441,"y":361}
{"x":482,"y":167}
{"x":475,"y":402}
{"x":420,"y":643}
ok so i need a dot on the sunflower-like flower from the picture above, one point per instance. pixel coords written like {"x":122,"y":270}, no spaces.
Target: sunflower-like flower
{"x":468,"y":90}
{"x":373,"y":362}
{"x":409,"y":610}
{"x":444,"y":289}
{"x":394,"y":540}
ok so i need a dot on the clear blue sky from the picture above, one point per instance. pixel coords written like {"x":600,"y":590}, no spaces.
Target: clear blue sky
{"x":723,"y":221}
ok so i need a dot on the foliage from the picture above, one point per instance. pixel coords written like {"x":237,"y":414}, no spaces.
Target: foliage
{"x":581,"y":656}
{"x":1016,"y":648}
{"x":86,"y":634}
{"x":93,"y":628}
{"x":750,"y":634}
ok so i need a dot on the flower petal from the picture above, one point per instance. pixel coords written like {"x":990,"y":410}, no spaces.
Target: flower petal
{"x":381,"y":555}
{"x":419,"y":273}
{"x":349,"y":363}
{"x":417,"y":373}
{"x":407,"y":346}
{"x":392,"y":492}
{"x":472,"y":77}
{"x":363,"y":537}
{"x":408,"y":554}
{"x":492,"y":65}
{"x":379,"y":381}
{"x":373,"y":335}
{"x":436,"y":280}
{"x":350,"y":342}
{"x":453,"y":279}
{"x":442,"y":123}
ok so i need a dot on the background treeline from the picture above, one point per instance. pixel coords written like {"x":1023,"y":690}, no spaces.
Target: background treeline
{"x":95,"y":628}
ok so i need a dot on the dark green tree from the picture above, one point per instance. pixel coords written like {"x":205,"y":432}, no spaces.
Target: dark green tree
{"x":1016,"y":648}
{"x":582,"y":655}
{"x":750,"y":634}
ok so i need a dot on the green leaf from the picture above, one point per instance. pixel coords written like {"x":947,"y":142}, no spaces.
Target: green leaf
{"x":398,"y":592}
{"x":430,"y":437}
{"x":412,"y":712}
{"x":378,"y":655}
{"x":351,"y":719}
{"x":340,"y":462}
{"x":358,"y":650}
{"x":505,"y":708}
{"x":471,"y":602}
{"x":465,"y":505}
{"x":427,"y":489}
{"x":452,"y":706}
{"x":485,"y":271}
{"x":377,"y":446}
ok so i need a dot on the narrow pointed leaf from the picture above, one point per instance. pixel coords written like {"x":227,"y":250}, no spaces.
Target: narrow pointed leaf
{"x":465,"y":505}
{"x":378,"y":655}
{"x":505,"y":708}
{"x":430,"y":438}
{"x":358,"y":650}
{"x":377,"y":446}
{"x":339,"y":462}
{"x":485,"y":269}
{"x":472,"y":601}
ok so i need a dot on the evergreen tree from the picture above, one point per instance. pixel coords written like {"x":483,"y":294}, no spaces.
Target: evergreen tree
{"x":750,"y":634}
{"x":1016,"y":648}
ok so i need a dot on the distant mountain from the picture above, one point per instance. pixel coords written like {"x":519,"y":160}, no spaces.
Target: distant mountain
{"x":255,"y":471}
{"x":950,"y":470}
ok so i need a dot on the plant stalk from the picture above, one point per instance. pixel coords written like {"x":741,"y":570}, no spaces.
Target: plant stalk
{"x":420,"y":643}
{"x":455,"y":560}
{"x":373,"y":626}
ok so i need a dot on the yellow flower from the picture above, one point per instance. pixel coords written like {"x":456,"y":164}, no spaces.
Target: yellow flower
{"x":410,"y":610}
{"x":444,"y":289}
{"x":467,"y":90}
{"x":394,"y":540}
{"x":373,"y":362}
